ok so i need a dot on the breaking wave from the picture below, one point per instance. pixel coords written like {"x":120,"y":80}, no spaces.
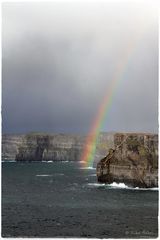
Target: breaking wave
{"x":50,"y":175}
{"x":122,"y":185}
{"x":87,"y":168}
{"x":44,"y":175}
{"x":50,"y":161}
{"x":115,"y":185}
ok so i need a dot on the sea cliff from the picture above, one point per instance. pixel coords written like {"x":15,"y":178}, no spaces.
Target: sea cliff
{"x":133,"y":160}
{"x":45,"y":147}
{"x":51,"y":147}
{"x":41,"y":147}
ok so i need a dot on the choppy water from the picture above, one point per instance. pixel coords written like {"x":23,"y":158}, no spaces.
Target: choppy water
{"x":63,"y":199}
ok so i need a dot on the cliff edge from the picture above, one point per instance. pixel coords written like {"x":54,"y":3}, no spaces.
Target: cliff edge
{"x":133,"y":161}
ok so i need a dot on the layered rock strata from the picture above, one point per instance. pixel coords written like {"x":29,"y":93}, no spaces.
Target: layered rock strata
{"x":133,"y":160}
{"x":51,"y":147}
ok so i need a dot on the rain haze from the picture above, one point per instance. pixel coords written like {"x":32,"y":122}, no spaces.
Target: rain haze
{"x":59,"y":60}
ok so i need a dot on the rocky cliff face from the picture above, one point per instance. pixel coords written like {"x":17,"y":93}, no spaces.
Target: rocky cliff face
{"x":10,"y":146}
{"x":133,"y":160}
{"x":51,"y":147}
{"x":42,"y":147}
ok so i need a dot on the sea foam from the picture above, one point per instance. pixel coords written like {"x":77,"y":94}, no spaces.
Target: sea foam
{"x":123,"y":185}
{"x":115,"y":185}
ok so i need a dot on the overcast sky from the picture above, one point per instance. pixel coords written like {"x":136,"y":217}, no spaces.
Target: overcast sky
{"x":59,"y":58}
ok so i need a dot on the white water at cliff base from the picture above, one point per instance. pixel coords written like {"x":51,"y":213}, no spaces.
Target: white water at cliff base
{"x":115,"y":185}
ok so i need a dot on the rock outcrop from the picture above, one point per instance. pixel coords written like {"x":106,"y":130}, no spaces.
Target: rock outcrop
{"x":133,"y":160}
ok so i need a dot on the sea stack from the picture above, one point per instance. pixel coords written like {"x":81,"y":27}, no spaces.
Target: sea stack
{"x":133,"y":161}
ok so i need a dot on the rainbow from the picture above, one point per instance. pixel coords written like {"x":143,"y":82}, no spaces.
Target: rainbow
{"x":88,"y":153}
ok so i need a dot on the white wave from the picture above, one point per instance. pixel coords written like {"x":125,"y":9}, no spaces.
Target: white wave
{"x":44,"y":175}
{"x":124,"y":186}
{"x":115,"y":185}
{"x":92,"y":175}
{"x":154,"y":189}
{"x":87,"y":168}
{"x":48,"y":161}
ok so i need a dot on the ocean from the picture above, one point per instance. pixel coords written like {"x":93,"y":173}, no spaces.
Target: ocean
{"x":62,"y":199}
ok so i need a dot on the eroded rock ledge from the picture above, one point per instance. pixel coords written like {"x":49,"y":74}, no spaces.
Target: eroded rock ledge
{"x":133,"y":161}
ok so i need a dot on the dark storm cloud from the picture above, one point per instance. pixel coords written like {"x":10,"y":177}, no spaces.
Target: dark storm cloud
{"x":59,"y":59}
